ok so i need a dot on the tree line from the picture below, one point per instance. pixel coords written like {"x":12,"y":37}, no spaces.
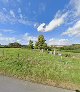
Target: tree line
{"x":40,"y":44}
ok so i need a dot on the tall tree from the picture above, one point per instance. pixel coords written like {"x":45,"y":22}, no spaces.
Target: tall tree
{"x":41,"y":43}
{"x":45,"y":46}
{"x":36,"y":45}
{"x":31,"y":44}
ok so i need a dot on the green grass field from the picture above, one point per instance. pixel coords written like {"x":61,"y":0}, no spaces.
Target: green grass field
{"x":41,"y":67}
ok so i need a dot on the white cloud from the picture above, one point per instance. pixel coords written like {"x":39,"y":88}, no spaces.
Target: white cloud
{"x":29,"y":37}
{"x":41,"y":28}
{"x":21,"y":16}
{"x":0,"y":34}
{"x":36,"y":25}
{"x":59,"y":42}
{"x":6,"y":40}
{"x":53,"y":24}
{"x":76,"y":6}
{"x":24,"y":21}
{"x":73,"y":31}
{"x":70,"y":17}
{"x":7,"y":30}
{"x":11,"y":18}
{"x":74,"y":19}
{"x":14,"y":16}
{"x":12,"y":13}
{"x":25,"y":38}
{"x":2,"y":17}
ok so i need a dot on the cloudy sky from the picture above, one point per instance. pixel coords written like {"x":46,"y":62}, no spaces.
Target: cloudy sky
{"x":24,"y":20}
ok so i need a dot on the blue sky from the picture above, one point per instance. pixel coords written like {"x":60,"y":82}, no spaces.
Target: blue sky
{"x":24,"y":20}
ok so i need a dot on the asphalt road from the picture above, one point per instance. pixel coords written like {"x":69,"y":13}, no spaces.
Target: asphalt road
{"x":14,"y":85}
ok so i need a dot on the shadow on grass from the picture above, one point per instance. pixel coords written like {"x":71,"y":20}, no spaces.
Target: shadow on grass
{"x":77,"y":90}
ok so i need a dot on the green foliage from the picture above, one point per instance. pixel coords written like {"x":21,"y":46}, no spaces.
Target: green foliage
{"x":45,"y":46}
{"x":67,"y":55}
{"x":14,"y":45}
{"x":71,"y":47}
{"x":41,"y":43}
{"x":36,"y":45}
{"x":41,"y":39}
{"x":40,"y":67}
{"x":30,"y":46}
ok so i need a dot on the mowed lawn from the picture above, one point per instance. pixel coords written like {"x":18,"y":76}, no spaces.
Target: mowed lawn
{"x":41,"y":67}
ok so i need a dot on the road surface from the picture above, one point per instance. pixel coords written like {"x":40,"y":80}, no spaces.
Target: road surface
{"x":14,"y":85}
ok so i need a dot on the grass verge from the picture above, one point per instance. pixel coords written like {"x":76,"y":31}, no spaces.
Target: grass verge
{"x":40,"y":67}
